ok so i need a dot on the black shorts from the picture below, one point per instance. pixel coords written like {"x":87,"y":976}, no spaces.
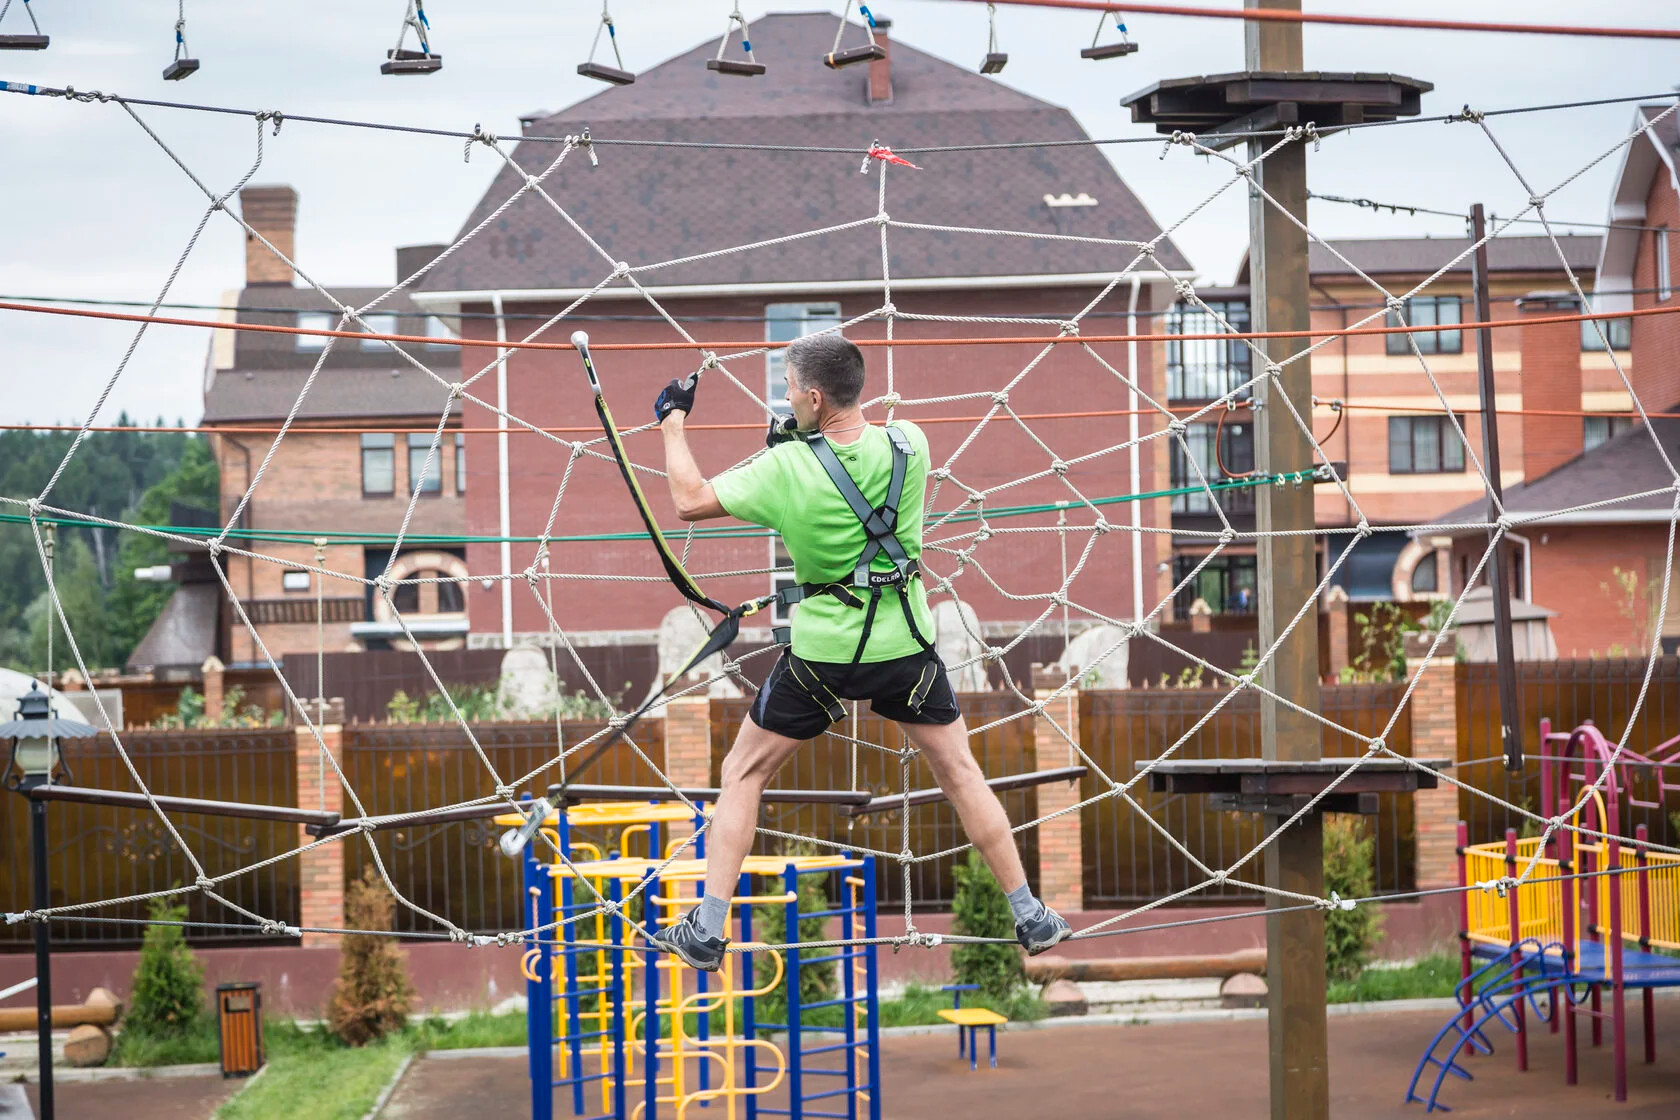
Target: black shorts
{"x":801,"y":699}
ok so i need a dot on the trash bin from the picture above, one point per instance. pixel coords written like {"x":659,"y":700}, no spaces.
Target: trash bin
{"x":239,"y":1015}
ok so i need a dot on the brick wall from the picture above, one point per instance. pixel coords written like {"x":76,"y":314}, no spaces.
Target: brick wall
{"x":1061,"y":877}
{"x":1656,"y":338}
{"x":688,"y":745}
{"x":1435,"y":735}
{"x":1551,"y":365}
{"x":320,"y":870}
{"x":272,"y":212}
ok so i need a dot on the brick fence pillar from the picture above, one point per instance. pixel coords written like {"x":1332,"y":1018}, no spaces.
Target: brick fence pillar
{"x":1435,"y":735}
{"x":320,"y":870}
{"x":1335,"y":609}
{"x":688,"y":745}
{"x":212,"y":670}
{"x":1061,"y":878}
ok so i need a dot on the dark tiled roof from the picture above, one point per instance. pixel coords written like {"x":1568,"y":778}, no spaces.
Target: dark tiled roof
{"x":1668,"y":129}
{"x":184,"y":632}
{"x":268,"y":394}
{"x":1627,"y":464}
{"x":279,"y":304}
{"x":649,"y":204}
{"x":1426,"y":254}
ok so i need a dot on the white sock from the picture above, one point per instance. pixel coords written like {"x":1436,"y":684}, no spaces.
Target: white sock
{"x":711,"y":917}
{"x":1025,"y":907}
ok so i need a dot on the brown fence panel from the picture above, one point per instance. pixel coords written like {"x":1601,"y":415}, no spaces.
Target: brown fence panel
{"x":1569,"y":693}
{"x":455,"y":869}
{"x":831,"y":762}
{"x":96,"y":852}
{"x":1129,"y":861}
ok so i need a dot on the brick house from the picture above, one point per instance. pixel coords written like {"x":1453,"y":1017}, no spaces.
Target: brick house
{"x":1601,"y":569}
{"x":646,"y":205}
{"x":356,"y":448}
{"x":1402,"y":468}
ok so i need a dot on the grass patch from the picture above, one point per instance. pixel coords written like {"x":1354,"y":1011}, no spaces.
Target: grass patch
{"x":478,"y":1028}
{"x":1429,"y":977}
{"x":197,"y":1044}
{"x":313,"y":1074}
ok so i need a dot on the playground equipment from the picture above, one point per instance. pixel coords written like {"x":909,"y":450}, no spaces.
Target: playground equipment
{"x":630,"y":1032}
{"x":1530,"y":935}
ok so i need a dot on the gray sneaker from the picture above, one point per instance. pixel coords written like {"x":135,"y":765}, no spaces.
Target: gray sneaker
{"x":683,"y":940}
{"x":1042,"y":933}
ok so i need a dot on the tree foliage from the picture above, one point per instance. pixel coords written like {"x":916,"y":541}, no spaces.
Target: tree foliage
{"x":1349,"y":871}
{"x":373,"y":994}
{"x":168,"y":995}
{"x":981,"y":909}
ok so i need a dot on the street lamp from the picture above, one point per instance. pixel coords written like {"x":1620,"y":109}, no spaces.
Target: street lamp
{"x":35,"y":761}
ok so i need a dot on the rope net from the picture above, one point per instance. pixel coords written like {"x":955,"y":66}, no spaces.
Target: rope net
{"x":968,"y":533}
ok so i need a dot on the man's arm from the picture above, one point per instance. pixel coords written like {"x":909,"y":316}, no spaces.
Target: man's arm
{"x":693,"y":495}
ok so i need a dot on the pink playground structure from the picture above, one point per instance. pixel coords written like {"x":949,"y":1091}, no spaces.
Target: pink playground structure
{"x":1553,"y":936}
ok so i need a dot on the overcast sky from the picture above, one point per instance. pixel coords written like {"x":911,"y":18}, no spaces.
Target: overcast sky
{"x":93,"y":209}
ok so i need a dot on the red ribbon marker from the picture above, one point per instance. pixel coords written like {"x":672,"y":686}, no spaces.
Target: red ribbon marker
{"x":880,"y":151}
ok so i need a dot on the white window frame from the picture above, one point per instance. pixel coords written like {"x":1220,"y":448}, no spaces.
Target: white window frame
{"x":313,"y":321}
{"x":382,"y":322}
{"x":784,"y":322}
{"x":1665,"y":282}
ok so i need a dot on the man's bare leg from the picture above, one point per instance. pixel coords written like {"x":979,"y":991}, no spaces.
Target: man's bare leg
{"x":747,"y":770}
{"x":946,"y":749}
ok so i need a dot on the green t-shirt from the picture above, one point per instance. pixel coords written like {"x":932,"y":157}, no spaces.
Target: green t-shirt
{"x":787,"y":489}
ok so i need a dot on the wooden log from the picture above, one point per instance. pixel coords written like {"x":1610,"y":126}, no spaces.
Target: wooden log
{"x":87,"y":1046}
{"x":1042,"y":970}
{"x":101,"y":1010}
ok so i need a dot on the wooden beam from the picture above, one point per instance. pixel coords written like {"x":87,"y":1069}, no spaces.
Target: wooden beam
{"x":1042,"y":970}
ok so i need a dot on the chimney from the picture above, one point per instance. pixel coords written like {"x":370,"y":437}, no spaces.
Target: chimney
{"x":1551,"y":379}
{"x":880,"y":69}
{"x":272,"y":212}
{"x":412,"y":258}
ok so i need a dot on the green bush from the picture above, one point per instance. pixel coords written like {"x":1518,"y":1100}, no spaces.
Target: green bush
{"x":373,"y":995}
{"x":168,"y":995}
{"x":982,"y":910}
{"x":1349,"y":871}
{"x":816,"y":982}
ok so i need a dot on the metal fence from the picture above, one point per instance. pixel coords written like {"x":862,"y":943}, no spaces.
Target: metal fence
{"x":831,"y":762}
{"x":97,"y":852}
{"x":455,"y":869}
{"x":1569,"y":693}
{"x":1127,"y":861}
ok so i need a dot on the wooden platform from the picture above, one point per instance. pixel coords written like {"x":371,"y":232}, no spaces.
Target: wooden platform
{"x":1259,"y":785}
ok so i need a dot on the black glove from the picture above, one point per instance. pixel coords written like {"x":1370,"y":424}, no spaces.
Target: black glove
{"x":782,"y":429}
{"x":678,"y":396}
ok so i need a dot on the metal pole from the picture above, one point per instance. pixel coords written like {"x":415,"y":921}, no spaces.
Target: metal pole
{"x":1287,"y":569}
{"x":43,"y":955}
{"x":1499,"y":571}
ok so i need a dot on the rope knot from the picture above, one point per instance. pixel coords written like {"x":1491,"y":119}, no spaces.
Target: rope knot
{"x":1538,"y":201}
{"x":1246,"y":681}
{"x":1395,"y":304}
{"x":942,"y":473}
{"x":1505,"y":523}
{"x":1069,"y":326}
{"x":1177,"y":427}
{"x":1185,"y":289}
{"x":1220,"y":876}
{"x":35,"y":504}
{"x":1363,"y":529}
{"x":203,"y":883}
{"x":1466,"y":114}
{"x":1057,"y":466}
{"x":459,"y":935}
{"x":530,"y":574}
{"x":1179,"y":136}
{"x":982,"y":536}
{"x":1273,"y":370}
{"x":619,"y":722}
{"x":993,"y":653}
{"x":1001,"y":397}
{"x":477,"y":136}
{"x":1336,"y":902}
{"x":275,"y":115}
{"x":620,"y":268}
{"x":883,"y":218}
{"x":1496,"y":886}
{"x":889,"y":308}
{"x":457,"y":390}
{"x":1058,"y":598}
{"x":1102,"y":526}
{"x":384,"y":583}
{"x":891,"y":401}
{"x":1378,"y":746}
{"x":924,"y":940}
{"x":505,"y":792}
{"x":1227,"y":535}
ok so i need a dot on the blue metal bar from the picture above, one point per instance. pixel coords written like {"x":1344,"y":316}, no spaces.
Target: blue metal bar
{"x":749,"y":1025}
{"x":836,"y":1002}
{"x":815,"y":1050}
{"x":790,"y":935}
{"x":615,"y":892}
{"x":841,"y":913}
{"x":539,"y":996}
{"x":650,"y":1021}
{"x":840,"y":1092}
{"x":705,"y":1019}
{"x":832,"y":957}
{"x":872,"y":986}
{"x":574,"y":997}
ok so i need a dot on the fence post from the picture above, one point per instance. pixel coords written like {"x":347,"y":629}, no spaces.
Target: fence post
{"x":212,"y":670}
{"x":1335,"y":607}
{"x":1435,"y":735}
{"x":321,"y":870}
{"x":1061,"y":875}
{"x":688,"y":747}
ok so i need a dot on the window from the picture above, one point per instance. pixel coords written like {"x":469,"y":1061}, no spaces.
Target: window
{"x":294,"y":581}
{"x":1599,"y":430}
{"x":313,"y":321}
{"x":1236,"y":447}
{"x":781,"y":576}
{"x":1227,"y":584}
{"x":1207,"y":370}
{"x":437,"y":329}
{"x":1665,"y":286}
{"x":405,"y":597}
{"x":460,"y":463}
{"x":379,"y":463}
{"x":449,"y":598}
{"x":427,"y":598}
{"x":784,"y":322}
{"x":429,"y":476}
{"x":1428,"y":311}
{"x":1424,"y":445}
{"x":378,"y":324}
{"x":1424,"y":577}
{"x":1619,"y":333}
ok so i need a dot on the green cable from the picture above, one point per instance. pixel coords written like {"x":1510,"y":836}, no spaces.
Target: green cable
{"x":293,"y":536}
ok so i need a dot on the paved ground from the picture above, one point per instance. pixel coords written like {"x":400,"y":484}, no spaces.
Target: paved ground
{"x":1215,"y":1069}
{"x":1168,"y":1071}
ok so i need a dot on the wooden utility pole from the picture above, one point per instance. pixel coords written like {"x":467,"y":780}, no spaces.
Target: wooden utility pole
{"x":1499,"y":567}
{"x":1287,"y":577}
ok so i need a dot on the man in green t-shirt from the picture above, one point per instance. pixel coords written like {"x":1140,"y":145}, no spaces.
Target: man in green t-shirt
{"x":863,"y":631}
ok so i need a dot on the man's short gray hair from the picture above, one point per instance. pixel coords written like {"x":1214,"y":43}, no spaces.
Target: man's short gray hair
{"x":828,"y":362}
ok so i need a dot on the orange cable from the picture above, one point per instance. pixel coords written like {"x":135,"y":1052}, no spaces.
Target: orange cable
{"x":759,"y":344}
{"x":1278,"y":16}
